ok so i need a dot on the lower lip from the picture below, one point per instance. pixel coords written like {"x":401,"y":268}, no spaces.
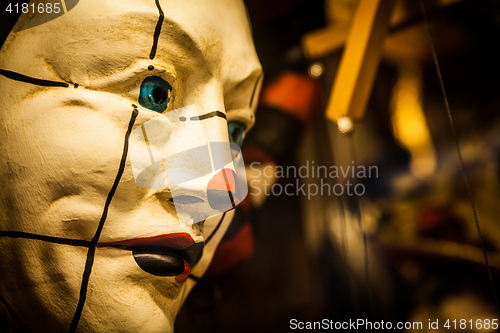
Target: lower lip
{"x":162,"y":264}
{"x":181,"y":278}
{"x":155,"y":261}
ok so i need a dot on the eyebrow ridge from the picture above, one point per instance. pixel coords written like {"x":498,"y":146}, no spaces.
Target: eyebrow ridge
{"x":184,"y":41}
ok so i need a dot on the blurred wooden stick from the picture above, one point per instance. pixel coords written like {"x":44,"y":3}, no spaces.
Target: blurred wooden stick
{"x":360,"y":60}
{"x":331,"y":38}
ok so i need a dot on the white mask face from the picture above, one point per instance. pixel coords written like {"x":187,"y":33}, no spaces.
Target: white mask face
{"x":97,"y":158}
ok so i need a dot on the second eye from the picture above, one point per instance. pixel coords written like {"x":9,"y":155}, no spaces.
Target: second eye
{"x":236,"y":130}
{"x":155,"y":94}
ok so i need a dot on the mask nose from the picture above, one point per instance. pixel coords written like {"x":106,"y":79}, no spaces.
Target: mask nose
{"x":223,"y":191}
{"x":187,"y":153}
{"x":210,"y":195}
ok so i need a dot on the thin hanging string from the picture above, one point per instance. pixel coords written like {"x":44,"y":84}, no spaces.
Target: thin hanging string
{"x":343,"y":208}
{"x":330,"y":159}
{"x":352,"y":146}
{"x":455,"y":136}
{"x":326,"y":143}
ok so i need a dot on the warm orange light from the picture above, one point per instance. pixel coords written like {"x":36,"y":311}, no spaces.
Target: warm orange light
{"x":409,"y":123}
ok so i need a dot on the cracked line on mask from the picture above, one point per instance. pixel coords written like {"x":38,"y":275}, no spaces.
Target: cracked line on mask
{"x":50,"y":239}
{"x":91,"y":252}
{"x":209,"y":238}
{"x":194,"y":278}
{"x":209,"y":115}
{"x":28,"y":79}
{"x":157,"y":31}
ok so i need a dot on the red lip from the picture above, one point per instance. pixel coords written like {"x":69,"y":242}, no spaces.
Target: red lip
{"x":178,"y":241}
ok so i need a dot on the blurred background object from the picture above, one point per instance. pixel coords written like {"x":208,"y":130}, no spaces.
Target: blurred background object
{"x":408,"y":248}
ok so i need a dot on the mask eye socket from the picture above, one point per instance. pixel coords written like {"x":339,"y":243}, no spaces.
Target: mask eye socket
{"x":155,"y":94}
{"x":236,"y":130}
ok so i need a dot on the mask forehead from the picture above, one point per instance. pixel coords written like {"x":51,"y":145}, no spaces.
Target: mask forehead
{"x":102,"y":37}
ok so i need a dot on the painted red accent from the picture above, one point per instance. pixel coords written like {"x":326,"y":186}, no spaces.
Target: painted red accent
{"x":232,"y":252}
{"x":429,"y":218}
{"x":178,"y":241}
{"x":224,"y":182}
{"x":218,"y":182}
{"x":181,"y":278}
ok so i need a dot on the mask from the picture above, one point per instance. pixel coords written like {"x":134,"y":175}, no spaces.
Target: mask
{"x":119,"y":158}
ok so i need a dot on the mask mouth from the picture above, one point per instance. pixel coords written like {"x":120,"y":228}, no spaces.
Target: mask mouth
{"x":163,"y":255}
{"x":165,"y":261}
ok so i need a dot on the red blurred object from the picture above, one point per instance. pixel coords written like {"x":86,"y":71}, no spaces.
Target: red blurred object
{"x":233,"y":251}
{"x":295,"y":94}
{"x":439,"y":222}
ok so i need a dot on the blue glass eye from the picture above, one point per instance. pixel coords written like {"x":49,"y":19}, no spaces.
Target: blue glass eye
{"x":155,"y":93}
{"x":236,"y":130}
